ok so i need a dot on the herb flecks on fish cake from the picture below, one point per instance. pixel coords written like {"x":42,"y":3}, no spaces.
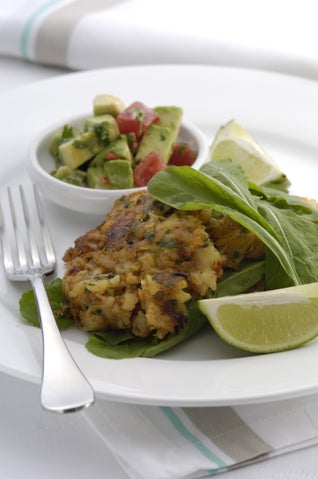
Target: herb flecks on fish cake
{"x":142,"y":265}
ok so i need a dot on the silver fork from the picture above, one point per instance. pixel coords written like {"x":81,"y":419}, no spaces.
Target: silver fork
{"x":28,"y":254}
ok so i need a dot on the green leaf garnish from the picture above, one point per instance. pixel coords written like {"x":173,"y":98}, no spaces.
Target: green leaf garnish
{"x":240,"y":281}
{"x":29,"y":312}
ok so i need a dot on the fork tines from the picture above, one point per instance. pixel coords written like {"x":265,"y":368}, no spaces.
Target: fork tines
{"x":26,"y":244}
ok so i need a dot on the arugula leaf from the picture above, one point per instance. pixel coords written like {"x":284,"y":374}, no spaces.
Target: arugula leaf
{"x":281,"y":185}
{"x":284,"y":224}
{"x":28,"y":308}
{"x":240,"y":281}
{"x":100,"y":345}
{"x":231,"y":175}
{"x":301,"y":235}
{"x":283,"y":200}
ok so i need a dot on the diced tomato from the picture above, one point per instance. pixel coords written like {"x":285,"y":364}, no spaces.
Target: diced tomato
{"x":147,"y":168}
{"x":182,"y":155}
{"x":112,"y":156}
{"x":104,"y":180}
{"x":135,"y":119}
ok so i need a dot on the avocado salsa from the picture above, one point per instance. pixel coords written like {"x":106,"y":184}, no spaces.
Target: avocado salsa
{"x":120,"y":147}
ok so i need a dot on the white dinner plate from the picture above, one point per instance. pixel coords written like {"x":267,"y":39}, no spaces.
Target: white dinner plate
{"x":280,"y":112}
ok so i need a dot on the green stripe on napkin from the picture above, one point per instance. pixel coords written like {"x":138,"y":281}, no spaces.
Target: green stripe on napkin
{"x":55,"y":29}
{"x":191,"y":437}
{"x":24,"y":40}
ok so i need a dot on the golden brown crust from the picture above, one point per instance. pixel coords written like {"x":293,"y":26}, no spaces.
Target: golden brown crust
{"x":138,"y":269}
{"x":230,"y":238}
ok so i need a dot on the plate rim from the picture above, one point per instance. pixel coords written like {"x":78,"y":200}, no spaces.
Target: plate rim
{"x":130,"y":395}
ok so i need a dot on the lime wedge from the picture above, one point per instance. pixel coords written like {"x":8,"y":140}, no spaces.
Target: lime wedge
{"x":268,"y":321}
{"x":233,"y":142}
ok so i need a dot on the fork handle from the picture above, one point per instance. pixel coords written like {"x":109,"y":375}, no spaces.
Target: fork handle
{"x":64,"y":387}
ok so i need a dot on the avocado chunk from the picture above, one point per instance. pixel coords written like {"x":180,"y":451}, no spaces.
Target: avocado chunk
{"x":119,"y":173}
{"x":64,"y":134}
{"x":170,"y":117}
{"x":101,"y":131}
{"x":109,"y":104}
{"x":117,"y":149}
{"x":77,"y":151}
{"x":74,"y":177}
{"x":111,"y":174}
{"x":55,"y":143}
{"x":156,"y":138}
{"x":105,"y":127}
{"x":96,"y":177}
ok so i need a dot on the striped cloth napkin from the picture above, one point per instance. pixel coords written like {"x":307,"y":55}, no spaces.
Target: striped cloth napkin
{"x":86,"y":34}
{"x":188,"y":443}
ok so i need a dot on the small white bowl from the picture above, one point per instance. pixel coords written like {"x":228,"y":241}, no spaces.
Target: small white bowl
{"x":88,"y":200}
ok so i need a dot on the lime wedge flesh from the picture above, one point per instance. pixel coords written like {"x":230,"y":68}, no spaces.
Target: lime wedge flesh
{"x":233,"y":142}
{"x":268,"y":321}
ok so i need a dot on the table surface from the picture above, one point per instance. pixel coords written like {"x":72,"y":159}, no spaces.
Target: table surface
{"x":38,"y":444}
